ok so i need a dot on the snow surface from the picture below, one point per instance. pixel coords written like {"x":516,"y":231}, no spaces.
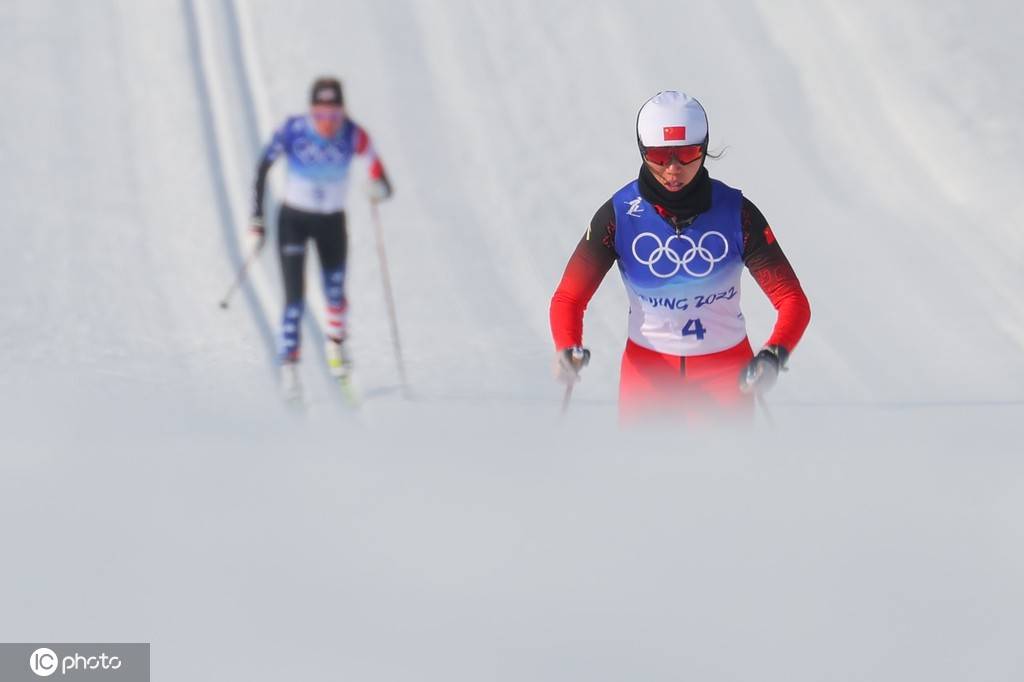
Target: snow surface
{"x":154,"y":488}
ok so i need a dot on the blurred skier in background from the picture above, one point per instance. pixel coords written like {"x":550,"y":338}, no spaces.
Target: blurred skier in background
{"x":680,"y":239}
{"x":319,"y":146}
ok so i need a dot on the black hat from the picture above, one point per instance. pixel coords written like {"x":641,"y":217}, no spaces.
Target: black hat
{"x":326,"y":91}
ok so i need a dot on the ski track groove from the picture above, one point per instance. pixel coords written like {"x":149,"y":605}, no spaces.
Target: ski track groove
{"x":214,"y":156}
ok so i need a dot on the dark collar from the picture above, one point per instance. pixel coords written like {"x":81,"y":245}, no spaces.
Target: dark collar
{"x":681,"y":207}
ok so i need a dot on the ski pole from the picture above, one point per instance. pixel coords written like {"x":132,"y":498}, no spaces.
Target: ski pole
{"x":388,"y":297}
{"x":243,"y":270}
{"x":764,"y":409}
{"x":580,"y":359}
{"x":567,"y":397}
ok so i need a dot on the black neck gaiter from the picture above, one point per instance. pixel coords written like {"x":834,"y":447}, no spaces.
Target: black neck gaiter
{"x":683,"y":205}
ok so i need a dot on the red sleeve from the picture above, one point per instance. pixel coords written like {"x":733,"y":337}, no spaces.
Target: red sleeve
{"x":773,"y":273}
{"x":593,"y":257}
{"x":363,"y":146}
{"x":783,"y":289}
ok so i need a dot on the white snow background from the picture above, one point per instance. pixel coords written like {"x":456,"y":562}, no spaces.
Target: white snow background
{"x":153,"y":488}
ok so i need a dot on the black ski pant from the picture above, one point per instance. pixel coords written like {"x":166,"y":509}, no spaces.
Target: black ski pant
{"x":295,"y":228}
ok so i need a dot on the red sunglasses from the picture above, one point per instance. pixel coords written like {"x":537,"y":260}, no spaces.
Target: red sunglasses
{"x":327,"y":115}
{"x":662,"y":156}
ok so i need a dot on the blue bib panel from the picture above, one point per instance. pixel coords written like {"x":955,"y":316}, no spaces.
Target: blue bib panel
{"x":683,"y":287}
{"x":318,"y":168}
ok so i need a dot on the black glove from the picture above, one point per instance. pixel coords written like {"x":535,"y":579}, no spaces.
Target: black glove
{"x":569,"y":362}
{"x":762,"y":371}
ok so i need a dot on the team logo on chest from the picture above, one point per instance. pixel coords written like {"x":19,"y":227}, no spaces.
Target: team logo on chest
{"x":679,"y":251}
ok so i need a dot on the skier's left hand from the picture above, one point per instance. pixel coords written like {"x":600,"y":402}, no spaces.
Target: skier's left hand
{"x":380,"y":189}
{"x":762,"y":371}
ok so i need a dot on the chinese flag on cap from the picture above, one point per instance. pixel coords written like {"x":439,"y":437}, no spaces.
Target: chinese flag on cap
{"x":674,"y":133}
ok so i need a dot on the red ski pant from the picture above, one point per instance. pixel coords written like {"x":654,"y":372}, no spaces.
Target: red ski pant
{"x":693,"y":389}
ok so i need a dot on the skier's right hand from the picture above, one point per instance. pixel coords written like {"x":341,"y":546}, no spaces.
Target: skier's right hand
{"x":569,"y":362}
{"x":257,"y":235}
{"x":379,"y":190}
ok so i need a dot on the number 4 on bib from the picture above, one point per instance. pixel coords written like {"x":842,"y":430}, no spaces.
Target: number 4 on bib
{"x":694,"y":328}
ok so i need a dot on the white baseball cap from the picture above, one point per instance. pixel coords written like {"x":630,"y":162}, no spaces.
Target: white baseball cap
{"x":671,"y":119}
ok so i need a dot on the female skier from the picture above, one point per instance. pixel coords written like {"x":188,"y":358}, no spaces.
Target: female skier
{"x":680,"y":239}
{"x":320,"y":146}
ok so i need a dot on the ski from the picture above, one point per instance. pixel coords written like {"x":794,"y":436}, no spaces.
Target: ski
{"x":291,"y":386}
{"x":349,"y":392}
{"x":339,"y":365}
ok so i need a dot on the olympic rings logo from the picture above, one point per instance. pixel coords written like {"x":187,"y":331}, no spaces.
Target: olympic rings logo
{"x":310,"y":153}
{"x":683,"y":260}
